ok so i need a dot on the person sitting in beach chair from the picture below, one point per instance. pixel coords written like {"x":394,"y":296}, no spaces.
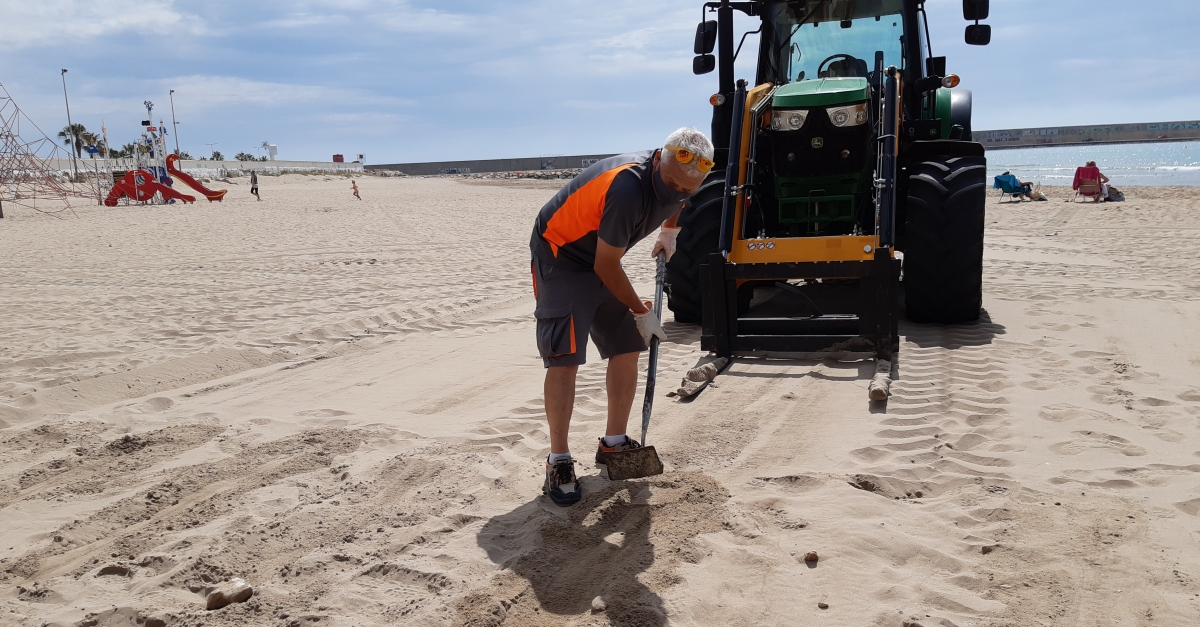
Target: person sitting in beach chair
{"x":1011,"y":187}
{"x":1090,"y":182}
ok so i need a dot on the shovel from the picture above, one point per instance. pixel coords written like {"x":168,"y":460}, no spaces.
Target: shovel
{"x":643,"y":462}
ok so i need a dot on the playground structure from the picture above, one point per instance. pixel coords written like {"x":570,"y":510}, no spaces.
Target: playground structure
{"x":26,"y":174}
{"x":187,"y":179}
{"x":154,"y":171}
{"x":141,"y":186}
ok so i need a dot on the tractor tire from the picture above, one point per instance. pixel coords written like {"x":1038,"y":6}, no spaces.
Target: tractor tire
{"x":701,"y":223}
{"x":943,"y":256}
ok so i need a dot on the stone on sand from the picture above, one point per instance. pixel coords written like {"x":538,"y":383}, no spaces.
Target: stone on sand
{"x":233,"y":591}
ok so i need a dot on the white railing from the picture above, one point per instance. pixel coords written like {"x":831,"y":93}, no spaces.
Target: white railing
{"x":196,"y":167}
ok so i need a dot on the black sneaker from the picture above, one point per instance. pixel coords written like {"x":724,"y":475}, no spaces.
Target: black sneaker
{"x":628,"y":445}
{"x":561,"y":484}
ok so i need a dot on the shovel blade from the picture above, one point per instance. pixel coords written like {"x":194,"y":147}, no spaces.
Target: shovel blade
{"x":634,"y":464}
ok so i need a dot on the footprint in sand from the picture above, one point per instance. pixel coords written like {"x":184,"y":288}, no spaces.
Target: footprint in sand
{"x":322,"y":413}
{"x":1062,"y":412}
{"x":1051,"y":326}
{"x":1089,"y":354}
{"x":1191,"y":396}
{"x":1048,"y":380}
{"x":1086,"y":440}
{"x":1158,"y":475}
{"x":1190,"y":507}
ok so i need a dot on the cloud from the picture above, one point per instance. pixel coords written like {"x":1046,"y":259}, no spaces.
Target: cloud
{"x":55,"y":23}
{"x":305,"y":20}
{"x":362,"y":123}
{"x":389,"y":16}
{"x":597,"y":105}
{"x":212,"y":92}
{"x":425,"y":22}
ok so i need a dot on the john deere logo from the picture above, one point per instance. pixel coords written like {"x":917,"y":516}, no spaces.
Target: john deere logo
{"x":817,"y":142}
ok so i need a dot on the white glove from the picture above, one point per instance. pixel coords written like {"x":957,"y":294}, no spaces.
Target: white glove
{"x":666,"y":241}
{"x":648,"y":326}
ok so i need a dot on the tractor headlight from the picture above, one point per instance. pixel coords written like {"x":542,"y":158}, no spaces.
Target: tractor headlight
{"x":853,"y":115}
{"x":788,"y":119}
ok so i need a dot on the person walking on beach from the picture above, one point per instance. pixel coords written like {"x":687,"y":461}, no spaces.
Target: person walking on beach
{"x":578,"y":240}
{"x":254,"y":184}
{"x":355,"y":186}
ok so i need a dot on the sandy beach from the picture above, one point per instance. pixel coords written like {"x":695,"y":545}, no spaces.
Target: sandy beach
{"x":339,"y":402}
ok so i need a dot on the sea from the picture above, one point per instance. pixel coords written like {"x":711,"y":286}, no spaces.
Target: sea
{"x":1125,"y":164}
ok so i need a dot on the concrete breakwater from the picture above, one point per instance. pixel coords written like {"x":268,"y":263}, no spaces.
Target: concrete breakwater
{"x":1150,"y":132}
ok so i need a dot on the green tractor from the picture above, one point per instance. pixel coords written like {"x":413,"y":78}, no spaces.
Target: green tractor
{"x":845,"y":175}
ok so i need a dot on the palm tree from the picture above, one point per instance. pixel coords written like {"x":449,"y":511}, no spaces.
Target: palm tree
{"x":125,"y":151}
{"x":90,"y":139}
{"x":71,"y":136}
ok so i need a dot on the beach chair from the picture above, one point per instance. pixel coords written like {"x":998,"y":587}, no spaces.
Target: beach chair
{"x":1088,"y":188}
{"x":1087,"y":183}
{"x":1010,"y":187}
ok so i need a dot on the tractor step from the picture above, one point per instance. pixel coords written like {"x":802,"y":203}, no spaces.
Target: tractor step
{"x":792,"y":343}
{"x":831,"y":325}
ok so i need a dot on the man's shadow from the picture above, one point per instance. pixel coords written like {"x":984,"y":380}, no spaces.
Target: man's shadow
{"x":570,"y":556}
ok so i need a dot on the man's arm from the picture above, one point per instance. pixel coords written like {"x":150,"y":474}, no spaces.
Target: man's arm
{"x":608,"y":268}
{"x":673,"y":221}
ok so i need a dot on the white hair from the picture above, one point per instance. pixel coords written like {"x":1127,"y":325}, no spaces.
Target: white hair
{"x":693,"y":140}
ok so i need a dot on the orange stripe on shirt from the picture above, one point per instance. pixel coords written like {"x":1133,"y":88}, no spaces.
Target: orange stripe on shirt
{"x":581,"y":212}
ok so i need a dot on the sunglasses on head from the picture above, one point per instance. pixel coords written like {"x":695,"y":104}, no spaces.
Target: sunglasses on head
{"x":685,"y":156}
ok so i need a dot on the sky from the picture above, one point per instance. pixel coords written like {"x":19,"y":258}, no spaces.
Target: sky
{"x":418,"y":80}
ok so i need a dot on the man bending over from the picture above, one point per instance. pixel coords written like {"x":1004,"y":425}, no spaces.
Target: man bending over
{"x":578,"y":240}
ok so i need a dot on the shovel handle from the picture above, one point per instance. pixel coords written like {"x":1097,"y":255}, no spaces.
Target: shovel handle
{"x":652,"y":363}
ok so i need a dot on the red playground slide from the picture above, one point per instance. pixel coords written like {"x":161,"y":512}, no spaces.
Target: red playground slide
{"x":191,"y":182}
{"x":141,"y":186}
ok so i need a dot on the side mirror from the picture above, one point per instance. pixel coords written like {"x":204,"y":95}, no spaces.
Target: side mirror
{"x":706,"y":37}
{"x":979,"y":34}
{"x":975,"y":10}
{"x":703,"y":64}
{"x":935,"y":66}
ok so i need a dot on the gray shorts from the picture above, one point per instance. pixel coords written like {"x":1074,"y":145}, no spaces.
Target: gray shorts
{"x":571,"y":304}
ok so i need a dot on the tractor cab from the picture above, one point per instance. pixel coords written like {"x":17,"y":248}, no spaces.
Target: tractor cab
{"x":857,"y":37}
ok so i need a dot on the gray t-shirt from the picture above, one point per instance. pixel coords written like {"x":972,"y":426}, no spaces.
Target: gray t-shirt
{"x":613,"y":200}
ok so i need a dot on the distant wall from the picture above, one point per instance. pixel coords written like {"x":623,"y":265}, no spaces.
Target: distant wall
{"x":491,"y":165}
{"x":216,"y":168}
{"x":1078,"y":135}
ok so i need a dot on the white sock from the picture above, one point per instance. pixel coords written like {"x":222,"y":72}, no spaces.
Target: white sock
{"x":554,"y":457}
{"x":613,"y":440}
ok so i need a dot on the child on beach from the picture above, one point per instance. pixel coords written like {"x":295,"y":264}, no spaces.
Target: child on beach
{"x":254,"y":185}
{"x":355,"y":186}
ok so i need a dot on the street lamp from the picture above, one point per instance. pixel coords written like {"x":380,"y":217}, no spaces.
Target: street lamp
{"x":210,"y":149}
{"x":70,"y":126}
{"x":174,"y":124}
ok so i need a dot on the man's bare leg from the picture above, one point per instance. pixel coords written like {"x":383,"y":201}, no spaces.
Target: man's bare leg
{"x":621,"y":381}
{"x":560,"y":402}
